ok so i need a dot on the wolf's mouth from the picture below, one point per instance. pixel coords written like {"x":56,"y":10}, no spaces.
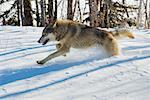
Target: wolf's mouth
{"x":45,"y":41}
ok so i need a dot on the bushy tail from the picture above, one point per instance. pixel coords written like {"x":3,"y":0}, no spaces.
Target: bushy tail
{"x":121,"y":33}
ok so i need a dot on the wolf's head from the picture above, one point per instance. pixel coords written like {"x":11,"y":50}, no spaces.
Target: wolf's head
{"x":47,"y":35}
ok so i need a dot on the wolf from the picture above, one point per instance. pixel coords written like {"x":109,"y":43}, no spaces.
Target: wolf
{"x":76,"y":35}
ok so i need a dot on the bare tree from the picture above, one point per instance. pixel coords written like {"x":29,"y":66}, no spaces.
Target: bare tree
{"x":4,"y":21}
{"x":149,"y":17}
{"x":27,"y":13}
{"x":37,"y":13}
{"x":50,"y":10}
{"x":76,"y":1}
{"x":18,"y":12}
{"x":69,"y":10}
{"x":146,"y":13}
{"x":55,"y":12}
{"x":43,"y":12}
{"x":108,"y":12}
{"x":79,"y":10}
{"x":93,"y":13}
{"x":139,"y":14}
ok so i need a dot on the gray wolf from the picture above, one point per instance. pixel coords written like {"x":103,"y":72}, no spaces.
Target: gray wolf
{"x":76,"y":35}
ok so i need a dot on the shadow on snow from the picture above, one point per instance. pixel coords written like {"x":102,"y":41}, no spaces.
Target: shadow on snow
{"x":136,"y":47}
{"x":23,"y":49}
{"x":24,"y":73}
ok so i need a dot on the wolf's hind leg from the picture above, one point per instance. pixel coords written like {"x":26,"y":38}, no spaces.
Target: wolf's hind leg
{"x":111,"y":45}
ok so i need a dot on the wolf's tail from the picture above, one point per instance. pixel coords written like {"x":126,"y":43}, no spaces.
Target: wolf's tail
{"x":122,"y":33}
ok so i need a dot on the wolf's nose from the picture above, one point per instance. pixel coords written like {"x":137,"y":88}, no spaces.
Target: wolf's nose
{"x":38,"y":41}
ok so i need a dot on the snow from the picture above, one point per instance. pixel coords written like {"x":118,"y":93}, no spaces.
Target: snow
{"x":84,"y":74}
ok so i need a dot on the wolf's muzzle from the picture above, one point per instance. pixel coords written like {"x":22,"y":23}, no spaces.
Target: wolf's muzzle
{"x":45,"y":42}
{"x":39,"y":40}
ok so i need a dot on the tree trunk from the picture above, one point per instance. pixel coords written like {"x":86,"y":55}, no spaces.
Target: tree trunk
{"x":43,"y":12}
{"x":149,"y":17}
{"x":146,"y":15}
{"x":100,"y":4}
{"x":18,"y":13}
{"x":21,"y":12}
{"x":69,"y":10}
{"x":108,"y":3}
{"x":139,"y":14}
{"x":37,"y":13}
{"x":79,"y":11}
{"x":76,"y":1}
{"x":55,"y":13}
{"x":93,"y":13}
{"x":104,"y":13}
{"x":27,"y":13}
{"x":50,"y":11}
{"x":4,"y":21}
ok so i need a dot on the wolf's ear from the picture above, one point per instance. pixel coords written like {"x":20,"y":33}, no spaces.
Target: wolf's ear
{"x":52,"y":22}
{"x":55,"y":24}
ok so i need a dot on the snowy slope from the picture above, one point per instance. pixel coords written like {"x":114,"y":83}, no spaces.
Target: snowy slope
{"x":82,"y":75}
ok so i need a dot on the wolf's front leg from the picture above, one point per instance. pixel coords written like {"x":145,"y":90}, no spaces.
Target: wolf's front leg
{"x":61,"y":51}
{"x":58,"y":46}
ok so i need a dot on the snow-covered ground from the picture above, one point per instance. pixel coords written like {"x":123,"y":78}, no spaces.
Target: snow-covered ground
{"x":82,"y":75}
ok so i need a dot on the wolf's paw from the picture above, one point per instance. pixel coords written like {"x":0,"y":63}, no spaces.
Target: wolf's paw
{"x":40,"y":62}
